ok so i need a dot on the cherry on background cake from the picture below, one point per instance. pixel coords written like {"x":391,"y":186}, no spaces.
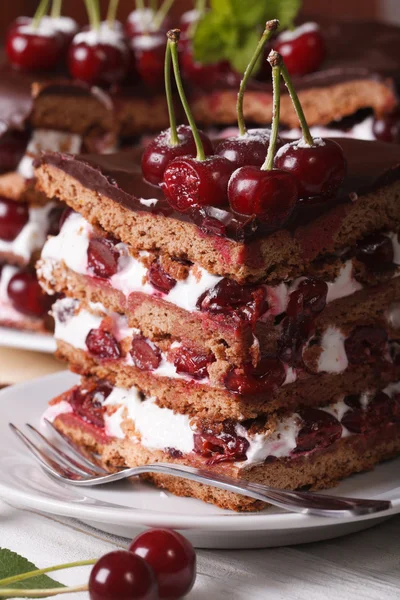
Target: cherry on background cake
{"x":237,"y":314}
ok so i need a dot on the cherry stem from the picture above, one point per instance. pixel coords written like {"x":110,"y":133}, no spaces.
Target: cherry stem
{"x":154,"y":5}
{"x":37,"y":572}
{"x":40,"y":12}
{"x":200,"y":7}
{"x":92,"y":7}
{"x":56,"y":9}
{"x":276,"y":109}
{"x":308,"y":138}
{"x":13,"y":593}
{"x":112,"y":13}
{"x":140,"y":5}
{"x":270,"y":28}
{"x":162,"y":13}
{"x":173,"y":140}
{"x":173,"y":39}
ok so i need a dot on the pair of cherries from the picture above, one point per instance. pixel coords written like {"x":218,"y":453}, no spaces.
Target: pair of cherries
{"x":191,"y":175}
{"x":160,"y":564}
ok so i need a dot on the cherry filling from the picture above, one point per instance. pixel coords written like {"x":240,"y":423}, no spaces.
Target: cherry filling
{"x":193,"y":363}
{"x":88,"y":403}
{"x":160,"y":279}
{"x":365,"y":345}
{"x":248,"y":303}
{"x":145,"y":356}
{"x":12,"y":148}
{"x":381,"y":410}
{"x":376,"y":252}
{"x":319,"y":429}
{"x":219,"y":442}
{"x":54,"y":220}
{"x":13,"y":218}
{"x":249,"y":380}
{"x":102,"y":257}
{"x":103,"y":345}
{"x":305,"y":303}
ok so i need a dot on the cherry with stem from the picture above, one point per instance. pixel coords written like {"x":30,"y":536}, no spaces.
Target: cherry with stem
{"x":33,"y":47}
{"x":112,"y":13}
{"x":200,"y":180}
{"x":148,"y":46}
{"x":270,"y":194}
{"x":303,"y":49}
{"x":249,"y":147}
{"x":318,"y":165}
{"x":96,"y":58}
{"x":171,"y":143}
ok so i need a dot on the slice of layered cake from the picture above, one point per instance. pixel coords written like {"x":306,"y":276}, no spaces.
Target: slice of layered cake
{"x":243,"y":319}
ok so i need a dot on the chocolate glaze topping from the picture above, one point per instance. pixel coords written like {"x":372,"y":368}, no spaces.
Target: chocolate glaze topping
{"x":371,"y":165}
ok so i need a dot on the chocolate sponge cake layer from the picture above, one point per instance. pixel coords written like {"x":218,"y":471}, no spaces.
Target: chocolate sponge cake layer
{"x":109,"y":191}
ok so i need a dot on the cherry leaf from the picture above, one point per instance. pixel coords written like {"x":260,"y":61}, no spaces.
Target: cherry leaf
{"x":12,"y":564}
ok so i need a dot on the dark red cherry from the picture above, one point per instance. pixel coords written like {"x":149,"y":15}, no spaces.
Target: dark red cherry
{"x":172,"y":558}
{"x":309,"y":297}
{"x":319,"y":429}
{"x":122,"y":575}
{"x":303,"y":50}
{"x":54,"y":220}
{"x":13,"y":218}
{"x":31,"y":49}
{"x":145,"y":355}
{"x":245,"y":150}
{"x":193,"y":363}
{"x":160,"y":279}
{"x":387,"y":128}
{"x":205,"y":75}
{"x":65,"y":26}
{"x":102,"y":257}
{"x":149,"y":53}
{"x":96,"y":60}
{"x":249,"y":380}
{"x":376,"y":252}
{"x":27,"y":296}
{"x":12,"y":148}
{"x":88,"y":403}
{"x":226,"y":296}
{"x":159,"y":153}
{"x":365,"y":344}
{"x":319,"y":169}
{"x":219,"y":442}
{"x":188,"y":182}
{"x":103,"y":345}
{"x":270,"y":195}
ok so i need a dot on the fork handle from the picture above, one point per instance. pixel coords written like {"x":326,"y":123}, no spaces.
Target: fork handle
{"x":294,"y":501}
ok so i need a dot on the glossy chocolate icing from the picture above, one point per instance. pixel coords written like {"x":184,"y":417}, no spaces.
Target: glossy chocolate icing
{"x":371,"y":165}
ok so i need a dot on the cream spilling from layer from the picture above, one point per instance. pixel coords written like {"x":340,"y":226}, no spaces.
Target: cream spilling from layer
{"x":156,"y":428}
{"x":47,"y":140}
{"x":32,"y":236}
{"x":71,"y":244}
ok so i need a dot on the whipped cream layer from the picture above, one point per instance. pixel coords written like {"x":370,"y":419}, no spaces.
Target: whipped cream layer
{"x":71,"y":244}
{"x":47,"y":140}
{"x":32,"y":236}
{"x":129,"y":416}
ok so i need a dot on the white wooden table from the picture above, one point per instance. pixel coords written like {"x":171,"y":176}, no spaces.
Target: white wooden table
{"x":362,"y":566}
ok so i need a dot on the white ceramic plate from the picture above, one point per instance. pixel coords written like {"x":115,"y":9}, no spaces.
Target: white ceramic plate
{"x":126,"y":507}
{"x":26,"y":340}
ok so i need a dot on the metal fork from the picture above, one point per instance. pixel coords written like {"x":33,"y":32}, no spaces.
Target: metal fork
{"x":65,"y":461}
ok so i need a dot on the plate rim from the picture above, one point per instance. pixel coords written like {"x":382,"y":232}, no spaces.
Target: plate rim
{"x":27,"y":340}
{"x":119,"y":515}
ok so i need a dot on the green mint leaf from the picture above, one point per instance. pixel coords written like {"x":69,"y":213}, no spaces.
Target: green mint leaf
{"x":250,"y":13}
{"x":13,"y":564}
{"x":284,"y":10}
{"x":245,"y":50}
{"x":215,"y":38}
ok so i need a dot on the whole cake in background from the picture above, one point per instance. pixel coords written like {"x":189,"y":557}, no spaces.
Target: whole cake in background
{"x":228,"y":308}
